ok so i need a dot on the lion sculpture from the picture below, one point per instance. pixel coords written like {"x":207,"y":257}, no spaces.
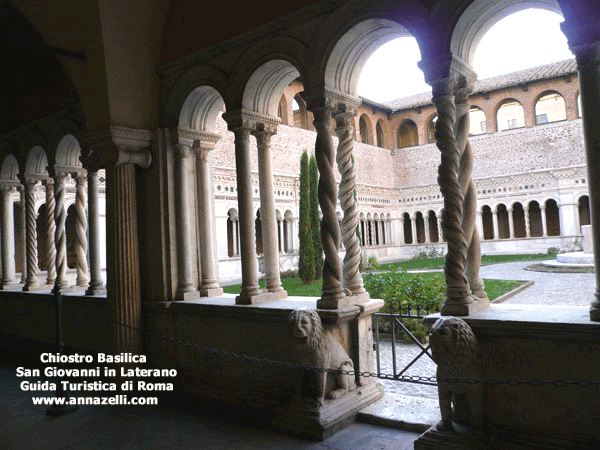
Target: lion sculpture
{"x":454,"y":349}
{"x":324,"y":348}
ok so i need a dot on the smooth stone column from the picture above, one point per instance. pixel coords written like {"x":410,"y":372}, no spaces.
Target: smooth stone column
{"x":50,"y":232}
{"x":32,"y":281}
{"x":209,"y":285}
{"x":250,"y":292}
{"x":480,"y":223}
{"x":511,"y":225}
{"x":413,"y":229}
{"x":267,"y":210}
{"x":96,"y":285}
{"x":60,"y":239}
{"x":440,"y":230}
{"x":544,"y":221}
{"x":81,"y":243}
{"x":495,"y":223}
{"x":8,"y":240}
{"x":185,"y":282}
{"x":281,"y":236}
{"x":427,"y":232}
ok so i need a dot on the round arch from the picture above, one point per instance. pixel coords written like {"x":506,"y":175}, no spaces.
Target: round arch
{"x":481,"y":15}
{"x":550,"y":106}
{"x":37,"y":161}
{"x":365,"y":127}
{"x":407,"y":134}
{"x":509,"y":114}
{"x":68,"y":151}
{"x":10,"y":168}
{"x":200,"y":109}
{"x":380,"y":133}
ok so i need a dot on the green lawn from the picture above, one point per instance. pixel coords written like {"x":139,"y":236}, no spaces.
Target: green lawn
{"x":438,"y":263}
{"x":294,"y":286}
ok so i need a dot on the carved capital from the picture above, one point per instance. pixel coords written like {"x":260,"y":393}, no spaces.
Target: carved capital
{"x":244,"y":118}
{"x":182,"y":151}
{"x":48,"y":182}
{"x":330,"y":98}
{"x":263,"y":133}
{"x":587,"y":55}
{"x":118,"y":146}
{"x":448,"y":75}
{"x":7,"y":189}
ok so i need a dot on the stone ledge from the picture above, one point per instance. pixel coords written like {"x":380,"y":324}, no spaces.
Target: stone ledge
{"x":540,"y":321}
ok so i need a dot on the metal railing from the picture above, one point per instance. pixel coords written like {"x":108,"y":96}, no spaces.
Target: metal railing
{"x":396,"y":317}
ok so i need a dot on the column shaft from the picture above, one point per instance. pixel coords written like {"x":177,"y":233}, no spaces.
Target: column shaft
{"x":185,"y":283}
{"x":60,"y":216}
{"x":23,"y":241}
{"x":427,"y":231}
{"x":96,"y":285}
{"x":8,"y":239}
{"x":123,"y":271}
{"x":413,"y":228}
{"x":32,"y":257}
{"x":544,"y":221}
{"x":527,"y":222}
{"x":511,"y":224}
{"x":496,"y":226}
{"x":246,"y":217}
{"x":267,"y":211}
{"x":209,"y":285}
{"x":81,"y":243}
{"x":50,"y":232}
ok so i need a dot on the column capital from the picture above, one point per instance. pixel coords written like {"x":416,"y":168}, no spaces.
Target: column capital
{"x":28,"y":181}
{"x":329,"y":98}
{"x":344,"y":115}
{"x":8,"y":188}
{"x":117,"y":146}
{"x":263,"y":133}
{"x":48,"y":181}
{"x":183,"y":151}
{"x":587,"y":55}
{"x":448,"y":75}
{"x":245,"y":118}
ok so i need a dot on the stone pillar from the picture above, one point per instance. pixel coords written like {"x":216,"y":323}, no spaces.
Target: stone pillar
{"x":250,"y":293}
{"x":81,"y":243}
{"x":353,"y":282}
{"x":440,"y":231}
{"x":209,"y":283}
{"x":544,"y":221}
{"x":263,"y":133}
{"x":60,"y":237}
{"x":427,"y":232}
{"x":413,"y":228}
{"x":23,"y":233}
{"x":511,"y":225}
{"x":8,"y":239}
{"x":96,"y":284}
{"x":281,"y":236}
{"x":333,"y":296}
{"x":527,"y":221}
{"x":452,"y":81}
{"x":185,"y":280}
{"x":480,"y":222}
{"x":50,"y":232}
{"x":495,"y":223}
{"x":119,"y":150}
{"x":31,"y":281}
{"x":588,"y":67}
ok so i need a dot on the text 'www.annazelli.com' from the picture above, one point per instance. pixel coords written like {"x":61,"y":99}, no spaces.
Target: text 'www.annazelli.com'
{"x":114,"y":400}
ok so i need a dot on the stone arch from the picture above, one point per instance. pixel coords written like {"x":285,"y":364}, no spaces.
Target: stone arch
{"x":550,"y":106}
{"x":509,"y":114}
{"x":431,"y":128}
{"x":196,"y":99}
{"x":380,"y":133}
{"x":432,"y":224}
{"x":10,"y":168}
{"x":68,"y":151}
{"x":300,"y":115}
{"x":535,"y":219}
{"x":64,"y":128}
{"x":478,"y":121}
{"x":365,"y":128}
{"x":407,"y":228}
{"x":481,"y":15}
{"x":503,"y":226}
{"x":420,"y":225}
{"x":282,"y":112}
{"x":264,"y":88}
{"x":583,"y":209}
{"x":518,"y":220}
{"x":408,"y":134}
{"x":552,"y":217}
{"x":487,"y":220}
{"x":37,"y":162}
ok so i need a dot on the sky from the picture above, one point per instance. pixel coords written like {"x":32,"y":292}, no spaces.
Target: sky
{"x":522,"y":40}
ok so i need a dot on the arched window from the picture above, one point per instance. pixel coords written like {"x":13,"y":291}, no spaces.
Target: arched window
{"x":408,"y":134}
{"x":407,"y":226}
{"x":535,"y":219}
{"x":550,"y":108}
{"x":432,"y":223}
{"x":364,"y":131}
{"x":478,"y":122}
{"x":379,"y":131}
{"x":552,"y":218}
{"x":431,"y":129}
{"x":503,"y":226}
{"x":518,"y":220}
{"x":488,"y":222}
{"x":510,"y":115}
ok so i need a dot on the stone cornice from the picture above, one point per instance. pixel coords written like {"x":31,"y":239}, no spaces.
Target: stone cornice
{"x":118,"y":145}
{"x":330,"y":98}
{"x":245,"y":118}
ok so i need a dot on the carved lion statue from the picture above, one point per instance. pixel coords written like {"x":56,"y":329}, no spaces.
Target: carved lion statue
{"x":324,"y":348}
{"x":454,"y":349}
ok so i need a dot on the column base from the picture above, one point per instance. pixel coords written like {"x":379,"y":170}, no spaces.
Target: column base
{"x":95,"y":290}
{"x":454,"y":309}
{"x":211,"y":292}
{"x":304,"y":417}
{"x":335,"y":303}
{"x":262,"y":297}
{"x":192,"y":295}
{"x":11,"y":286}
{"x":595,"y":314}
{"x":37,"y":287}
{"x":357,"y":299}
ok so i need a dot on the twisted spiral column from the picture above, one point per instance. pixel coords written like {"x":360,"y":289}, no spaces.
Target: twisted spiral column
{"x":465,"y":179}
{"x":81,"y":243}
{"x":457,"y":286}
{"x":32,"y":260}
{"x":527,"y":222}
{"x":332,"y":291}
{"x":352,"y":278}
{"x":50,"y":232}
{"x":60,"y":216}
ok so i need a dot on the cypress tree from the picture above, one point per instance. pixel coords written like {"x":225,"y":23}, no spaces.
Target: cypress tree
{"x":306,"y":263}
{"x":315,"y":221}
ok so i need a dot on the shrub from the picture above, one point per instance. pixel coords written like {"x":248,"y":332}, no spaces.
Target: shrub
{"x":315,"y":221}
{"x":306,"y":268}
